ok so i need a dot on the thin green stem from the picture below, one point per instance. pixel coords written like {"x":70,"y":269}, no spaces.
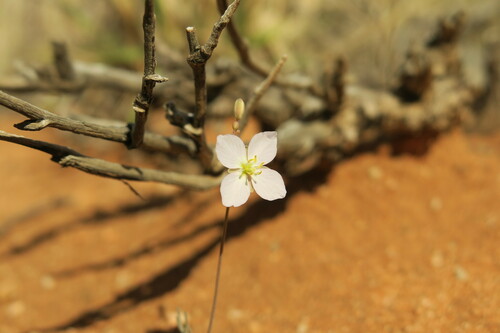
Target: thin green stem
{"x":217,"y":276}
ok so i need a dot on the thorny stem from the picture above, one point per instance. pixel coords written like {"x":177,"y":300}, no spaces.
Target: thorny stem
{"x":217,"y":276}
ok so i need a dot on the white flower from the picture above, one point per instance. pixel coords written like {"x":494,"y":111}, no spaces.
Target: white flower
{"x":246,"y":168}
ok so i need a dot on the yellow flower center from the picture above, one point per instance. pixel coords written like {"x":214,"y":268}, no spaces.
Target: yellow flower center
{"x":251,"y":168}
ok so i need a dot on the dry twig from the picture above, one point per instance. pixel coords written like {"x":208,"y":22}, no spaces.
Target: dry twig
{"x":67,"y":157}
{"x":149,"y":80}
{"x":197,"y":59}
{"x":243,"y":51}
{"x":356,"y":117}
{"x":40,"y":119}
{"x":260,"y":91}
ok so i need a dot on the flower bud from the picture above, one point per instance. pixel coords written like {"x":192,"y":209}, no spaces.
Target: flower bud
{"x":236,"y":126}
{"x":239,"y":109}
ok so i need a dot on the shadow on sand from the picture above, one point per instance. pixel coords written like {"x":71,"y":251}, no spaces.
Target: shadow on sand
{"x":169,"y":279}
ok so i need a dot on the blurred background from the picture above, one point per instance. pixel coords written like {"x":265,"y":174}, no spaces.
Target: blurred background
{"x":379,"y":243}
{"x":373,"y":35}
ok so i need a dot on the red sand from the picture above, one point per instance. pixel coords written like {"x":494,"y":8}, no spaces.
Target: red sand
{"x":377,"y":244}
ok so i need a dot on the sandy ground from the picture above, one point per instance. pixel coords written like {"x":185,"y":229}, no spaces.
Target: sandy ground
{"x":379,"y":243}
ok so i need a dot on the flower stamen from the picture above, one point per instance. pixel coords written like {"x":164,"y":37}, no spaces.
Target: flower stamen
{"x":251,"y":168}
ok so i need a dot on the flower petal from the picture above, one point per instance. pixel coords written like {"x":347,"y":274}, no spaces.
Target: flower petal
{"x":269,"y":185}
{"x":263,"y":145}
{"x":234,"y":190}
{"x":230,"y":151}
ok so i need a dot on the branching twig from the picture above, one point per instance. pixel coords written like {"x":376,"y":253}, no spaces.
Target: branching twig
{"x":240,"y":44}
{"x":149,"y":80}
{"x":244,"y":54}
{"x":40,"y":119}
{"x":358,"y":117}
{"x":260,"y":91}
{"x":197,"y":59}
{"x":69,"y":158}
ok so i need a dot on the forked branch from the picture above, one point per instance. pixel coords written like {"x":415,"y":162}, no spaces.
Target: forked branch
{"x":246,"y":59}
{"x":197,"y":59}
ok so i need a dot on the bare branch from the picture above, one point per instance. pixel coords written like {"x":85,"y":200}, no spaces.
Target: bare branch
{"x":244,"y":54}
{"x":370,"y":117}
{"x":240,"y":44}
{"x":149,"y":80}
{"x":40,"y":118}
{"x":331,"y":124}
{"x":198,"y":134}
{"x":197,"y":59}
{"x":260,"y":91}
{"x":56,"y":151}
{"x":70,"y":158}
{"x":224,"y":20}
{"x":87,"y":75}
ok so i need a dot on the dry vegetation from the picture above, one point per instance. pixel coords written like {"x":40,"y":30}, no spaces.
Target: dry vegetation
{"x":408,"y":76}
{"x":358,"y":74}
